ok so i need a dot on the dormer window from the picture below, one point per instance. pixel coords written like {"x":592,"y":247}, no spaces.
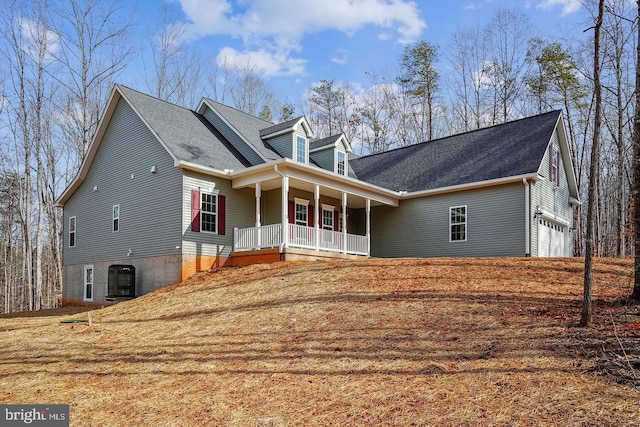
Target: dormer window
{"x":301,"y":149}
{"x":341,"y":164}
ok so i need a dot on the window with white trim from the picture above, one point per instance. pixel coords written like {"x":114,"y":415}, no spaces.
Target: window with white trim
{"x":72,"y":232}
{"x":300,"y":153}
{"x":554,"y":165}
{"x":327,"y":217}
{"x":341,"y":163}
{"x":458,"y":224}
{"x":301,"y":212}
{"x":87,"y":291}
{"x":208,"y":212}
{"x":116,"y":219}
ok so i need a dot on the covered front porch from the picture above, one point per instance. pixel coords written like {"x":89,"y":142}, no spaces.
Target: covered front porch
{"x":308,"y":209}
{"x":300,"y":236}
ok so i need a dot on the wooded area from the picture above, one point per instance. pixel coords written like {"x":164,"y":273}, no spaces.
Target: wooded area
{"x":59,"y":63}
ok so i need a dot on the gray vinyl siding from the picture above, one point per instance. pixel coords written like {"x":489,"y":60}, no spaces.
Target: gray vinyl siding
{"x":240,"y":145}
{"x":420,"y":227}
{"x":549,"y":197}
{"x":325,"y":158}
{"x":283,"y":144}
{"x":150,"y":203}
{"x":239,"y":212}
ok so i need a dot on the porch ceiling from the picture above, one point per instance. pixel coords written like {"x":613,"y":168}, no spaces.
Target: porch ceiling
{"x":304,"y":177}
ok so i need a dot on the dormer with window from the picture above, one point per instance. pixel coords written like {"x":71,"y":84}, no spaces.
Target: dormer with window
{"x":290,"y":139}
{"x":332,"y":153}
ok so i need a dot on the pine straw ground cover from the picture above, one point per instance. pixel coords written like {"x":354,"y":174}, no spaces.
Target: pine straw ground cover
{"x":444,"y":342}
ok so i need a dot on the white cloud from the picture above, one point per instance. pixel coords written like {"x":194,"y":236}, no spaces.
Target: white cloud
{"x":36,"y":35}
{"x":568,"y":6}
{"x":278,"y":27}
{"x":263,"y":62}
{"x":340,"y":57}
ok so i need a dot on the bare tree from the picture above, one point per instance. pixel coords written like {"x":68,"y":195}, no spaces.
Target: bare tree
{"x":507,"y":34}
{"x":468,"y":79}
{"x":93,"y":50}
{"x":377,"y":112}
{"x":331,"y":105}
{"x":636,"y":168}
{"x":175,"y":71}
{"x":594,"y":169}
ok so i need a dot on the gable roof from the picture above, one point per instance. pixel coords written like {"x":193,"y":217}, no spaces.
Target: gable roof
{"x":245,"y":126}
{"x":184,"y":134}
{"x":187,"y":135}
{"x":328,"y":142}
{"x":287,"y":126}
{"x":507,"y":150}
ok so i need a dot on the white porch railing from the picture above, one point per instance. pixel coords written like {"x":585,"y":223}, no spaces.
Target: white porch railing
{"x":300,"y":236}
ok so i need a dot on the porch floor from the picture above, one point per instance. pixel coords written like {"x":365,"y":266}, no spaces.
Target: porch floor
{"x":260,"y":256}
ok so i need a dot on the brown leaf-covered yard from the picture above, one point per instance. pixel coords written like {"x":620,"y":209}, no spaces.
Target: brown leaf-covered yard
{"x":482,"y":341}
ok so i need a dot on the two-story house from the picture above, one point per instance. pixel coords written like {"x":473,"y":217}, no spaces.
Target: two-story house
{"x":170,"y":191}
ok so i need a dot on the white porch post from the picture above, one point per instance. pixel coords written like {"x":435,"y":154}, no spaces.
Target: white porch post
{"x":316,"y":216}
{"x":285,"y":211}
{"x":344,"y":223}
{"x":368,"y":232}
{"x":258,"y":195}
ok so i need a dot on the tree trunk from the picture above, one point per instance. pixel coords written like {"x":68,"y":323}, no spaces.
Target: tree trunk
{"x":594,"y":170}
{"x":636,"y":173}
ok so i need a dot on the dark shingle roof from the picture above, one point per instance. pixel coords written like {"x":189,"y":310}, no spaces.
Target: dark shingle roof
{"x":317,"y":143}
{"x":248,"y":126}
{"x":510,"y":149}
{"x":185,"y":133}
{"x":279,"y":127}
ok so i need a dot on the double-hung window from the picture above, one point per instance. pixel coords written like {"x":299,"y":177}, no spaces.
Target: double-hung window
{"x":327,"y":217}
{"x":301,"y":212}
{"x":208,"y":212}
{"x":342,"y":163}
{"x":301,"y":149}
{"x":458,"y":224}
{"x":116,"y":219}
{"x":72,"y":232}
{"x":554,"y":165}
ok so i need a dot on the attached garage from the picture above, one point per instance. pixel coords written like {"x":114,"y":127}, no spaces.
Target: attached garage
{"x":552,"y":238}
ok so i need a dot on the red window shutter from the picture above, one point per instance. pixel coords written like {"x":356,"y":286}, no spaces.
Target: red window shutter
{"x":195,"y":211}
{"x":222,"y":207}
{"x":336,"y":220}
{"x":551,"y":160}
{"x":557,"y":168}
{"x":310,"y":214}
{"x":292,"y":212}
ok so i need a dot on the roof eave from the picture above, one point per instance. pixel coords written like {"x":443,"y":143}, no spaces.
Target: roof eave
{"x":204,"y":169}
{"x":470,"y":186}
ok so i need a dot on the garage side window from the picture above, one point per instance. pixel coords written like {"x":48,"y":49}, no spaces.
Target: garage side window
{"x":458,"y":224}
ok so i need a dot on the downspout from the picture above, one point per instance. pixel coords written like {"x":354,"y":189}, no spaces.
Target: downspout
{"x":527,"y":218}
{"x":281,"y":247}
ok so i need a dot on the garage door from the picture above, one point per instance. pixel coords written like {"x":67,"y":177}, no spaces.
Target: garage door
{"x":551,"y":239}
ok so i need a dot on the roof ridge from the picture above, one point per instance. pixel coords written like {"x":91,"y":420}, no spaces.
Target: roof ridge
{"x":240,"y":111}
{"x":120,"y":86}
{"x":460,"y":134}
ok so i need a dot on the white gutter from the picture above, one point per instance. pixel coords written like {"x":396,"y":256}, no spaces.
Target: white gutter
{"x":527,"y":218}
{"x":471,"y":186}
{"x":204,"y":169}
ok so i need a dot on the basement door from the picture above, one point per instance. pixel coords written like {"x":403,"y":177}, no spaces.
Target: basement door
{"x":551,"y":239}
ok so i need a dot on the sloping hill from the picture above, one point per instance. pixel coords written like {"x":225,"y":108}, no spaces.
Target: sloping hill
{"x":372,"y":342}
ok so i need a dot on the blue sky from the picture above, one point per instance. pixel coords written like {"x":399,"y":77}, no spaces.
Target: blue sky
{"x":294,"y":43}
